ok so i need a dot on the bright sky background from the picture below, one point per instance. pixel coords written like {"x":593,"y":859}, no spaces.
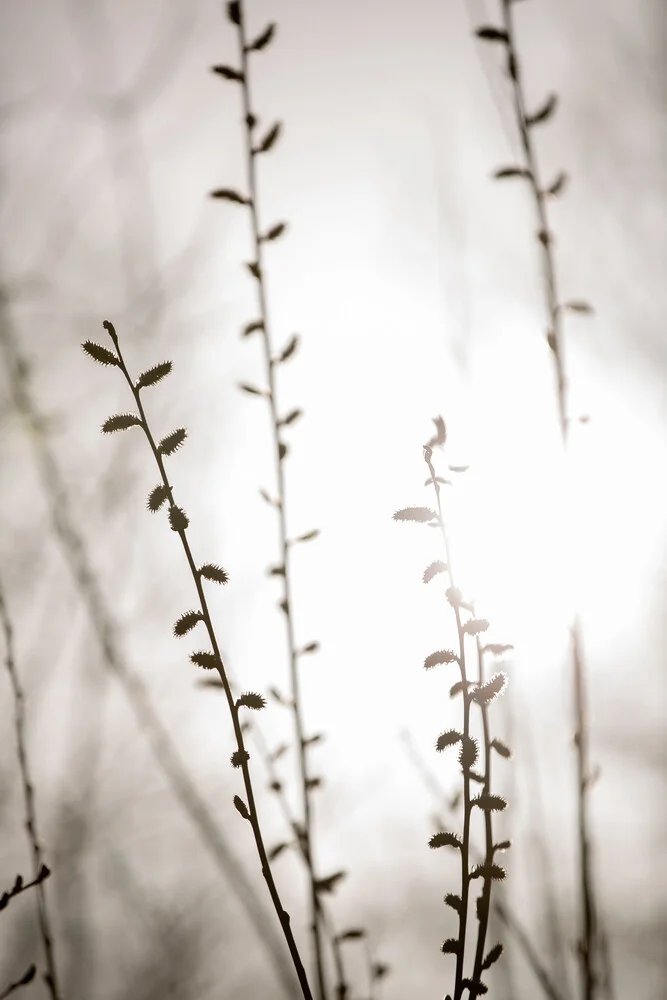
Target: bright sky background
{"x":413,"y":281}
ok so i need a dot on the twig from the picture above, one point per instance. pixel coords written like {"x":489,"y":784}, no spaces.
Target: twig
{"x":488,"y":869}
{"x":275,"y":784}
{"x":21,"y":886}
{"x":255,"y":147}
{"x":502,"y":910}
{"x":164,"y":750}
{"x":376,"y":972}
{"x":44,"y":921}
{"x":481,"y":693}
{"x":485,"y":898}
{"x":589,"y":945}
{"x":179,"y":522}
{"x":26,"y":978}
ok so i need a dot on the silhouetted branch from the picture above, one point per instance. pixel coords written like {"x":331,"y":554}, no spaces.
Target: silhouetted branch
{"x":26,"y":978}
{"x":19,"y":884}
{"x":208,"y":659}
{"x":276,"y":785}
{"x":164,"y":750}
{"x":479,"y":693}
{"x":528,"y":172}
{"x":43,"y":918}
{"x":256,"y":147}
{"x":502,"y":910}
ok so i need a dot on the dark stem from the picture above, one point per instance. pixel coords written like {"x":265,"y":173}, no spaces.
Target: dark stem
{"x":283,"y":916}
{"x":16,"y":890}
{"x":45,"y":929}
{"x":488,"y":828}
{"x":589,"y":943}
{"x":467,"y":808}
{"x":26,"y":978}
{"x":163,"y":748}
{"x":502,"y":910}
{"x":555,"y":332}
{"x":284,"y":538}
{"x":590,"y":936}
{"x":341,"y":986}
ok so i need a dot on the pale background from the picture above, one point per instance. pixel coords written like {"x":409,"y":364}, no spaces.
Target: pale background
{"x":413,"y":280}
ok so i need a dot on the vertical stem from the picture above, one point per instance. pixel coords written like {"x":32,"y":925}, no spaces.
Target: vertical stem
{"x":51,"y":976}
{"x":588,"y":944}
{"x":555,"y":331}
{"x":504,"y":913}
{"x":283,"y":916}
{"x":163,"y":748}
{"x":488,"y":829}
{"x":467,"y":808}
{"x":341,"y":987}
{"x":284,"y":539}
{"x":590,"y":937}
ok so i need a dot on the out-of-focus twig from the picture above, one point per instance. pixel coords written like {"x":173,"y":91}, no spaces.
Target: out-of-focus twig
{"x":26,"y":978}
{"x":43,"y":915}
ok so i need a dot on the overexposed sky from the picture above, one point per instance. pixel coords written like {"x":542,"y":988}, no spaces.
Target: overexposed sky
{"x":413,"y":280}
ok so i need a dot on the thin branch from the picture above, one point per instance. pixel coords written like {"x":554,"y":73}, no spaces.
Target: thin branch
{"x":253,"y":149}
{"x":555,"y":337}
{"x":19,"y":885}
{"x":165,"y":752}
{"x":43,"y":917}
{"x":26,"y":978}
{"x":589,"y":943}
{"x":465,"y":766}
{"x":275,"y":784}
{"x":489,"y":856}
{"x":179,"y":523}
{"x":471,"y":692}
{"x":502,"y":910}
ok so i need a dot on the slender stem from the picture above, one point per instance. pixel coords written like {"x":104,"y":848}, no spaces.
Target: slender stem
{"x":251,"y":155}
{"x":16,"y":890}
{"x":502,"y":910}
{"x":341,"y":985}
{"x":164,"y":750}
{"x":589,"y":939}
{"x":590,"y":934}
{"x":243,"y":756}
{"x":555,"y":332}
{"x":44,"y":920}
{"x":485,"y":898}
{"x":513,"y":924}
{"x":26,"y":978}
{"x":467,"y":808}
